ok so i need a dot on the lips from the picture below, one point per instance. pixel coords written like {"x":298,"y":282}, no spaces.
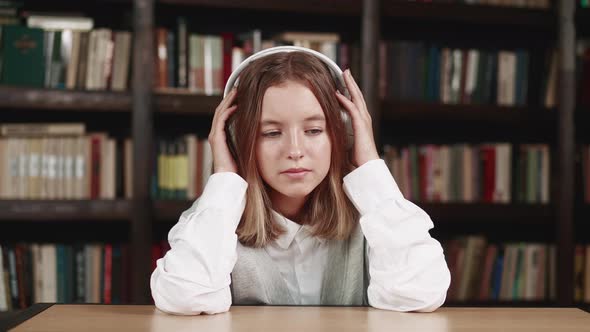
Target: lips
{"x":296,"y":170}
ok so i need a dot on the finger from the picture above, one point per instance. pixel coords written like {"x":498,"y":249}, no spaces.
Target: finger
{"x":228,"y":99}
{"x":348,"y":105}
{"x":355,"y":91}
{"x":224,"y":115}
{"x":222,"y":106}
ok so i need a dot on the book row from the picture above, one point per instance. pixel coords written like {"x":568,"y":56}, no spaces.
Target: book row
{"x":488,"y":173}
{"x":482,"y":271}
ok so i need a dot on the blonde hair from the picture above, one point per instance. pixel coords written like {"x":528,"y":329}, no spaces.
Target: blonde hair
{"x":328,"y":211}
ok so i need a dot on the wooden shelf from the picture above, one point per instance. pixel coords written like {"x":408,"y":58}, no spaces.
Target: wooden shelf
{"x":331,"y":7}
{"x":509,"y":214}
{"x":69,"y":100}
{"x":401,"y":110}
{"x":170,"y":210}
{"x":471,"y":14}
{"x":180,"y":102}
{"x":64,"y":210}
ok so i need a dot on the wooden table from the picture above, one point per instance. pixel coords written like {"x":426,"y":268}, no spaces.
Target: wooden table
{"x":88,"y":318}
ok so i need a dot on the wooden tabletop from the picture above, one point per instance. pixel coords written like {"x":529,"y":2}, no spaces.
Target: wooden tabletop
{"x":90,"y":318}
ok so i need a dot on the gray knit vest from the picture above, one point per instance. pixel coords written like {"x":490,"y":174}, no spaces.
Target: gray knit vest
{"x":257,"y":280}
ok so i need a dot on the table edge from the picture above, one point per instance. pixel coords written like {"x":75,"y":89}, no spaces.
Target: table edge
{"x":26,"y":314}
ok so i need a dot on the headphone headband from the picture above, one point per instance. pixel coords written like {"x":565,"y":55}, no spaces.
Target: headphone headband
{"x":334,"y":68}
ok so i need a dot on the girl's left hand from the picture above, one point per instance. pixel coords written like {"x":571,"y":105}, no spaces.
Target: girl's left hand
{"x":364,"y":142}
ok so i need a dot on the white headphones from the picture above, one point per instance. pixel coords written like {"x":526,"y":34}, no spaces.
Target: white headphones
{"x":333,"y":67}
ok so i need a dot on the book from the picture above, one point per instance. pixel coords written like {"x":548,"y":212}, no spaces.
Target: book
{"x":22,"y":56}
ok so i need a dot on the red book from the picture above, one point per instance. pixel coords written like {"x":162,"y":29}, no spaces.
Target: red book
{"x":108,"y":273}
{"x":95,"y":156}
{"x":156,"y":254}
{"x":423,"y":175}
{"x":20,"y":275}
{"x":228,"y":45}
{"x":488,"y":158}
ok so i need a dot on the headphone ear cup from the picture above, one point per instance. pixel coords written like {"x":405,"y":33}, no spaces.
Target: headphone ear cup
{"x":231,"y":139}
{"x":348,"y":128}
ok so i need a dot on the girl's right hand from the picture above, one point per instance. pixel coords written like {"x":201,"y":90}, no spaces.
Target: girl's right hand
{"x":222,"y":157}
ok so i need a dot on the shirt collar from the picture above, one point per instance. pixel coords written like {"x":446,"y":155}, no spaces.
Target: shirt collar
{"x":293,"y":231}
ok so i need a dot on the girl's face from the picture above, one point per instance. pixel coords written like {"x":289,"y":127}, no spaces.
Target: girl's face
{"x":293,"y":148}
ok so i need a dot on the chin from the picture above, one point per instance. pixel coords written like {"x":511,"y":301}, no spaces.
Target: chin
{"x":295,"y":192}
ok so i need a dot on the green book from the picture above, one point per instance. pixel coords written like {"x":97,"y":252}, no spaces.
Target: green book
{"x":22,"y":50}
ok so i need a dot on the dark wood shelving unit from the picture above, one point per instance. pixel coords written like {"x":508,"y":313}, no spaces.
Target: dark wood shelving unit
{"x":64,"y":210}
{"x":142,"y":103}
{"x":186,"y":103}
{"x":331,"y":7}
{"x":469,"y":14}
{"x":430,"y":111}
{"x":64,"y":100}
{"x":169,"y":210}
{"x":523,"y":214}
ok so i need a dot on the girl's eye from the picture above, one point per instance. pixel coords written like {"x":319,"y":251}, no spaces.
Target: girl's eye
{"x":315,"y":131}
{"x":271,"y":134}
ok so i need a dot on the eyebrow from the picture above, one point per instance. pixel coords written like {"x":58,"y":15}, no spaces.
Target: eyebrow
{"x":317,"y":117}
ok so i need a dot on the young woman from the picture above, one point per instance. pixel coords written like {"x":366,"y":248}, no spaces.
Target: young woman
{"x":294,"y":213}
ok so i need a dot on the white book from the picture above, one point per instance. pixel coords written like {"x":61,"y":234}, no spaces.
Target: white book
{"x":72,"y":67}
{"x":208,"y":44}
{"x":506,"y":78}
{"x":445,"y":78}
{"x":330,"y":49}
{"x":122,"y":56}
{"x":50,"y":22}
{"x":23,"y":168}
{"x":456,"y":76}
{"x":237,"y":56}
{"x":191,"y":145}
{"x":109,"y":169}
{"x":60,"y":164}
{"x":49,"y":290}
{"x":472,"y":65}
{"x":37,"y":269}
{"x":502,"y":177}
{"x":91,"y":63}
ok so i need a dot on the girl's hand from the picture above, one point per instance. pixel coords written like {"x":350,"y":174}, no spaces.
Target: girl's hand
{"x":364,"y":142}
{"x":222,"y":158}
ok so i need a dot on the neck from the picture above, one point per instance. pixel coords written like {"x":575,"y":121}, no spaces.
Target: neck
{"x":288,"y":206}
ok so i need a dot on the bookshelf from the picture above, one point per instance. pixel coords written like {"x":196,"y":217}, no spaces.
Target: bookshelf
{"x":142,"y":108}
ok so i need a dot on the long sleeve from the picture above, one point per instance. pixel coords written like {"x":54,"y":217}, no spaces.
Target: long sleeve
{"x":194,"y":275}
{"x":407,"y":267}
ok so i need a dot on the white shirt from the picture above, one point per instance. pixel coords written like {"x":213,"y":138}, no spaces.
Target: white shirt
{"x":407,"y":268}
{"x":301,"y":259}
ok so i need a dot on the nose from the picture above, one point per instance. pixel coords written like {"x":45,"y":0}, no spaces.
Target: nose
{"x":294,"y":147}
